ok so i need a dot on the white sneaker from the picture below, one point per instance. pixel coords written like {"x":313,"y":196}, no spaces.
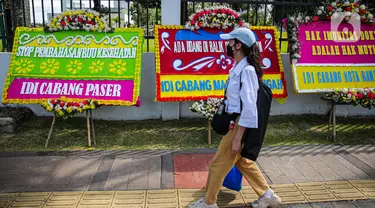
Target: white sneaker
{"x":264,"y":202}
{"x":202,"y":204}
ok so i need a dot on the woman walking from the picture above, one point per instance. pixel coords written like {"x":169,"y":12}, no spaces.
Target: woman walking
{"x":242,"y":144}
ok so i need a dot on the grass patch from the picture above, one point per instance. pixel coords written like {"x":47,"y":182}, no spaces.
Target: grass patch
{"x":180,"y":134}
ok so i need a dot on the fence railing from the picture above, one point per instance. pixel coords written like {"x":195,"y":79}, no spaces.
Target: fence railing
{"x":260,"y":12}
{"x":145,"y":13}
{"x":36,"y":13}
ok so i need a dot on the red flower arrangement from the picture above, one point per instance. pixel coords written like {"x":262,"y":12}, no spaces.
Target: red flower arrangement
{"x":63,"y":108}
{"x":364,"y":97}
{"x":215,"y":17}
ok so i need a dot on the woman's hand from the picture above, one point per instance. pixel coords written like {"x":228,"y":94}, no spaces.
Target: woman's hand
{"x":237,"y":141}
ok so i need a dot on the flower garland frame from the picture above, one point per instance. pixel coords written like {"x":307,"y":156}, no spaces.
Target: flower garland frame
{"x":84,"y":20}
{"x":215,"y":17}
{"x":137,"y":79}
{"x":219,"y":18}
{"x":364,"y":97}
{"x":292,"y":23}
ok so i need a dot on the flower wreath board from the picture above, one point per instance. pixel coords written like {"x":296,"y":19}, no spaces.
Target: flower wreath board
{"x":333,"y":49}
{"x":76,"y":63}
{"x":191,"y":61}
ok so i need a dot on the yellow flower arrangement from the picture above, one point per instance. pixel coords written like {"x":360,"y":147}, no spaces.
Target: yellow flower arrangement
{"x":64,"y":108}
{"x":74,"y":66}
{"x":24,"y":65}
{"x":118,"y":67}
{"x":50,"y":66}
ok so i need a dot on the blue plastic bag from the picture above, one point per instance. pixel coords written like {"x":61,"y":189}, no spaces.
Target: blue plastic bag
{"x":233,"y":180}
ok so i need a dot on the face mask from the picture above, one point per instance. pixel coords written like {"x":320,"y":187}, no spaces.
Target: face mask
{"x":230,"y":51}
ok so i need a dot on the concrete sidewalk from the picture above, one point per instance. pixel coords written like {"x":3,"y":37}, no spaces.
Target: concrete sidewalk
{"x":350,"y":171}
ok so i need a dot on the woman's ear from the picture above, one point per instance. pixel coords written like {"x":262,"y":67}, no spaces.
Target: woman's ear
{"x":238,"y":46}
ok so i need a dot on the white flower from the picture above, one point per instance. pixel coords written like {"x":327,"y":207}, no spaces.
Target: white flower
{"x":370,"y":16}
{"x":319,"y":12}
{"x":356,"y":10}
{"x":321,"y":8}
{"x":333,"y":4}
{"x":362,"y":7}
{"x":339,"y":9}
{"x":347,"y":3}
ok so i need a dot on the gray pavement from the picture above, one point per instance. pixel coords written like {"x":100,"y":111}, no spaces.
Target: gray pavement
{"x":133,"y":170}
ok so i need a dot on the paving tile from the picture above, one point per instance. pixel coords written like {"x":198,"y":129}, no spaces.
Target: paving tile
{"x":154,"y":173}
{"x":343,"y":190}
{"x":333,"y":162}
{"x":36,"y":199}
{"x":119,"y":176}
{"x":289,"y":193}
{"x":95,"y":199}
{"x":351,"y":157}
{"x":84,"y":173}
{"x":102,"y":173}
{"x":322,"y":205}
{"x":162,"y":199}
{"x":367,"y":187}
{"x":129,"y":199}
{"x":139,"y":173}
{"x":290,"y":171}
{"x":167,"y":178}
{"x":6,"y":199}
{"x":199,"y":168}
{"x":229,"y":198}
{"x":342,"y":204}
{"x":316,"y":192}
{"x":325,"y":171}
{"x":186,"y":196}
{"x":13,"y":188}
{"x":270,"y":168}
{"x":363,"y":203}
{"x":66,"y":172}
{"x":305,"y":169}
{"x":63,"y":199}
{"x":248,"y":195}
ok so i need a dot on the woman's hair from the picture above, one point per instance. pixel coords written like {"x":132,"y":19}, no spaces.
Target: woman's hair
{"x":253,"y":57}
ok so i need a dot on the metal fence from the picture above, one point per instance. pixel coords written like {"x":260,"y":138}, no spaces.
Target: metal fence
{"x":260,"y":12}
{"x":37,"y":13}
{"x":145,"y":13}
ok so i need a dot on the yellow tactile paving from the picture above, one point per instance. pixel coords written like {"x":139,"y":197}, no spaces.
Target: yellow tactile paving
{"x":229,"y":198}
{"x":343,"y":190}
{"x":63,"y":200}
{"x":180,"y":198}
{"x":96,"y":199}
{"x":248,"y":195}
{"x":316,"y":192}
{"x":30,"y":200}
{"x":129,"y":199}
{"x":367,"y":187}
{"x":289,"y":193}
{"x":7,"y":199}
{"x":162,"y":199}
{"x":186,"y":196}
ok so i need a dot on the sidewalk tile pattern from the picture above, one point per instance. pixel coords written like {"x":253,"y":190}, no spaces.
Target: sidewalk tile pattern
{"x":338,"y":193}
